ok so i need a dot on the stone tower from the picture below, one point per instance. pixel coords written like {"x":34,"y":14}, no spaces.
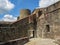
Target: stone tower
{"x":24,"y":13}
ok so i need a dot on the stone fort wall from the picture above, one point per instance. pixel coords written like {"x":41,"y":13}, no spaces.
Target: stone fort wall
{"x":43,"y":23}
{"x":49,"y":24}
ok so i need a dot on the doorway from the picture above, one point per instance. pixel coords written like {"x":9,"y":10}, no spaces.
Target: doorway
{"x":31,"y":34}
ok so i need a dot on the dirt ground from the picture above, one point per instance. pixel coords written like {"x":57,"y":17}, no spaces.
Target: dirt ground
{"x":39,"y":41}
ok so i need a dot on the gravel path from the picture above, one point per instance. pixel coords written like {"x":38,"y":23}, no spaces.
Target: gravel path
{"x":38,"y":41}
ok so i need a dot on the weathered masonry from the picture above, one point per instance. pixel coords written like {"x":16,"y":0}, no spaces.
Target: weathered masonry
{"x":42,"y":23}
{"x":49,"y":22}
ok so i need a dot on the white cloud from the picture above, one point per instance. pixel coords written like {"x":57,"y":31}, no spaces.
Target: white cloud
{"x":9,"y":18}
{"x":5,"y":5}
{"x":46,"y":3}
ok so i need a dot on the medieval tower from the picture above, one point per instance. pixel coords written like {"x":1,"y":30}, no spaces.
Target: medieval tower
{"x":24,"y":13}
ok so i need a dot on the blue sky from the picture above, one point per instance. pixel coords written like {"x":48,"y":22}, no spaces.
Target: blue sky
{"x":23,"y":4}
{"x":18,"y":5}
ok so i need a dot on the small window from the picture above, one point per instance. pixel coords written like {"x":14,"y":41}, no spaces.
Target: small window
{"x":47,"y":28}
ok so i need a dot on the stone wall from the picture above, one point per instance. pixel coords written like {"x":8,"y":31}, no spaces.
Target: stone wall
{"x":40,"y":27}
{"x":25,"y":27}
{"x":53,"y":19}
{"x":22,"y":27}
{"x":15,"y":30}
{"x":53,"y":7}
{"x":43,"y":23}
{"x":5,"y":32}
{"x":50,"y":20}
